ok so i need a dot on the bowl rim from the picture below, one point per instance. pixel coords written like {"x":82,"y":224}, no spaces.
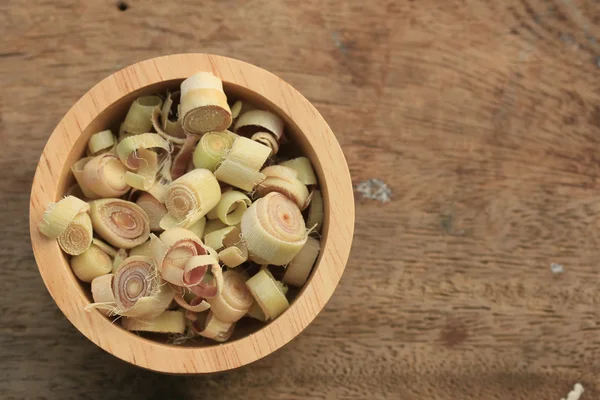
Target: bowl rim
{"x":335,"y":183}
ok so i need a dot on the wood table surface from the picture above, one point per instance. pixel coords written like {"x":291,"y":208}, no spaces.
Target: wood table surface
{"x":482,"y":118}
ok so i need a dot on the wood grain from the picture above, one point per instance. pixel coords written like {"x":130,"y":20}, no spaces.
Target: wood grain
{"x":482,"y":117}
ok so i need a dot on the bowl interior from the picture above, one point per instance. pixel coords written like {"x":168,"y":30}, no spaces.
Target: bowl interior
{"x":112,"y":116}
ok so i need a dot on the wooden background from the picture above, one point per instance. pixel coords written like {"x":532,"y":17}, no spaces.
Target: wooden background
{"x":483,"y":117}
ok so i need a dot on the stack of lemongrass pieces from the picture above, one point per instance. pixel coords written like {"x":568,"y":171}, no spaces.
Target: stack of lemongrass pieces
{"x":176,"y":220}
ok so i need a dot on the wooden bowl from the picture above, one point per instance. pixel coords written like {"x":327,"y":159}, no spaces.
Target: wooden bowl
{"x":109,"y":101}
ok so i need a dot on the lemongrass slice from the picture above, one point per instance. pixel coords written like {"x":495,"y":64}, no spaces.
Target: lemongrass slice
{"x":213,"y":328}
{"x":273,"y":229}
{"x":215,"y":239}
{"x":127,"y":148}
{"x":118,"y":259}
{"x":102,"y":292}
{"x":234,"y":300}
{"x":292,"y":189}
{"x":238,"y":175}
{"x":77,"y":170}
{"x":111,"y":251}
{"x":153,"y":208}
{"x":101,"y":141}
{"x":77,"y":237}
{"x":105,"y":175}
{"x":121,"y":223}
{"x":212,"y":226}
{"x":143,"y":249}
{"x":163,"y":180}
{"x":211,"y":284}
{"x":302,"y":165}
{"x":58,"y":216}
{"x":160,"y":127}
{"x":185,"y":156}
{"x":268,"y":294}
{"x":145,"y":173}
{"x":299,"y":268}
{"x":167,"y":322}
{"x":198,"y":227}
{"x":256,"y":312}
{"x":138,"y":290}
{"x":91,"y":264}
{"x":258,"y":120}
{"x":234,"y":256}
{"x":232,"y":206}
{"x":204,"y":105}
{"x":190,"y":197}
{"x":195,"y":304}
{"x":267,"y":139}
{"x":211,"y":149}
{"x":240,"y":107}
{"x":248,"y":153}
{"x":139,"y":116}
{"x":315,"y":213}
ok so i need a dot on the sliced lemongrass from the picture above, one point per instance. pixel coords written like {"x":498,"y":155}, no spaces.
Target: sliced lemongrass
{"x":268,"y":294}
{"x":190,"y":197}
{"x":101,"y":141}
{"x":240,"y":107}
{"x":303,"y":166}
{"x":215,"y":239}
{"x":195,"y":304}
{"x":198,"y":227}
{"x":185,"y":156}
{"x":315,"y":213}
{"x":78,"y":235}
{"x":249,"y":153}
{"x":212,"y":149}
{"x":213,"y":328}
{"x":291,"y":188}
{"x":102,"y":292}
{"x":118,"y":259}
{"x":167,"y":322}
{"x":235,"y":299}
{"x":139,"y":116}
{"x":232,"y":206}
{"x":195,"y":269}
{"x":121,"y":223}
{"x":138,"y":290}
{"x":127,"y":148}
{"x":212,"y":283}
{"x":299,"y":268}
{"x":160,"y":127}
{"x":212,"y":226}
{"x":153,"y":208}
{"x":105,"y":175}
{"x":203,"y":106}
{"x":111,"y":251}
{"x":77,"y":170}
{"x":279,"y":171}
{"x":256,"y":312}
{"x":267,"y":139}
{"x":163,"y":180}
{"x":91,"y":264}
{"x":234,"y":256}
{"x":58,"y":216}
{"x":257,"y":121}
{"x":273,"y":229}
{"x":143,"y":249}
{"x":238,"y":175}
{"x":145,"y":174}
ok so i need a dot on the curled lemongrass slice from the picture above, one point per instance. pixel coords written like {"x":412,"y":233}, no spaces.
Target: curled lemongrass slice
{"x":204,"y":105}
{"x":77,"y":237}
{"x":121,"y":223}
{"x":198,"y":227}
{"x":143,"y":249}
{"x":213,"y":328}
{"x":105,"y":175}
{"x":269,"y":295}
{"x":77,"y":170}
{"x":139,"y":116}
{"x":212,"y":226}
{"x":138,"y":290}
{"x":303,"y":167}
{"x":215,"y":239}
{"x":240,"y":107}
{"x":232,"y":206}
{"x":273,"y":229}
{"x":194,"y":304}
{"x":167,"y":322}
{"x":259,"y":121}
{"x":153,"y":208}
{"x":234,"y":255}
{"x":249,"y":153}
{"x":238,"y":175}
{"x":104,"y":247}
{"x":102,"y":292}
{"x":267,"y":139}
{"x":256,"y":312}
{"x":101,"y":141}
{"x":184,"y":157}
{"x":211,"y":149}
{"x":91,"y":264}
{"x":299,"y":268}
{"x":135,"y":153}
{"x":118,"y":259}
{"x":281,"y":179}
{"x":314,"y":221}
{"x":160,"y":127}
{"x":58,"y":216}
{"x":190,"y":197}
{"x":234,"y":300}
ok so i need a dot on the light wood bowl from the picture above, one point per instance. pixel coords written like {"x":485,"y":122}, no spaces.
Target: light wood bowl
{"x":108,"y":102}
